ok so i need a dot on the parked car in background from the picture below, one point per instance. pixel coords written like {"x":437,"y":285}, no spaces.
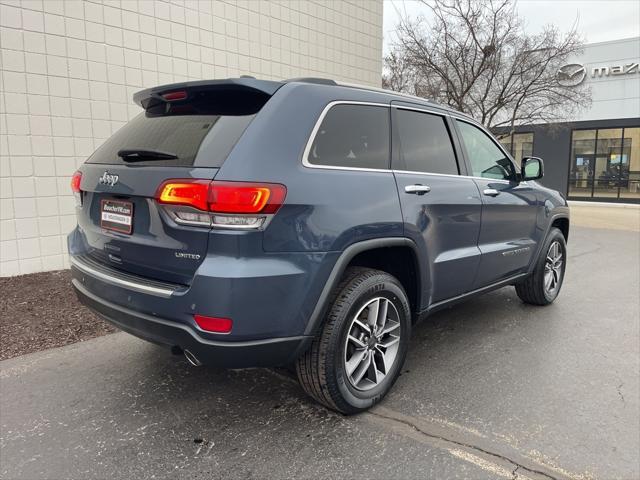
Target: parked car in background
{"x":251,"y":223}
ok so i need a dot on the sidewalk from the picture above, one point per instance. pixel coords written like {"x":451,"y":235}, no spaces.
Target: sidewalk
{"x":608,"y":217}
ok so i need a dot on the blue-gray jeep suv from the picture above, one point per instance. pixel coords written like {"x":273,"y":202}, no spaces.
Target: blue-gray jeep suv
{"x":257,"y":223}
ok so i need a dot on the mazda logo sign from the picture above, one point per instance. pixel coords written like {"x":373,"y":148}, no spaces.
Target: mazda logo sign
{"x":571,"y":75}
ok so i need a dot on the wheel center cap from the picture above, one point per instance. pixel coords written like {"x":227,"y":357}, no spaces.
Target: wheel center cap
{"x":372,"y":341}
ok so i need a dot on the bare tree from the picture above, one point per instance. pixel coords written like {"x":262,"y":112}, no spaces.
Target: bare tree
{"x":475,"y":56}
{"x":399,"y":73}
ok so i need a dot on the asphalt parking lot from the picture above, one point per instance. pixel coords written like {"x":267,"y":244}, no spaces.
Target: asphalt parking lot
{"x":492,"y":388}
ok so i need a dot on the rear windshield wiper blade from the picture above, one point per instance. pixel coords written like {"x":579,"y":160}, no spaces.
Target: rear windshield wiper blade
{"x":139,"y":154}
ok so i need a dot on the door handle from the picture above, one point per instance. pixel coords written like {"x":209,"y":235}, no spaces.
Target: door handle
{"x":417,"y":189}
{"x":491,"y":192}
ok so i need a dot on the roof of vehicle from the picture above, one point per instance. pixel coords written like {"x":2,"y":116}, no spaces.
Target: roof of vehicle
{"x":269,"y":87}
{"x":398,"y":96}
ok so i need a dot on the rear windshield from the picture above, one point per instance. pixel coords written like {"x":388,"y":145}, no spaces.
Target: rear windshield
{"x":179,"y":135}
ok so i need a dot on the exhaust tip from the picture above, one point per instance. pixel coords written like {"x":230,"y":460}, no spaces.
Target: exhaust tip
{"x":192,"y":359}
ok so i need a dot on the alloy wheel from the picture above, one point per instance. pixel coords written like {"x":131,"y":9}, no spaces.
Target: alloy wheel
{"x":372,"y":343}
{"x":553,"y":268}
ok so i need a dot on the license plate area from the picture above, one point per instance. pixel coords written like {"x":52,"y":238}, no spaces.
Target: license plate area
{"x":116,"y":215}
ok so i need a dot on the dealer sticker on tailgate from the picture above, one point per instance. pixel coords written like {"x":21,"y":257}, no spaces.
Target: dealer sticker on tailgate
{"x":116,"y":215}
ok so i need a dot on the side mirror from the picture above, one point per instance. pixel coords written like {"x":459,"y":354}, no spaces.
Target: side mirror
{"x":532,"y":168}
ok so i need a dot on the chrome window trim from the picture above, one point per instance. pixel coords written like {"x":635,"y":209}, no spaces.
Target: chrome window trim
{"x":316,"y":127}
{"x":442,"y":113}
{"x":138,"y":287}
{"x":406,"y":97}
{"x":470,"y":121}
{"x":411,"y":172}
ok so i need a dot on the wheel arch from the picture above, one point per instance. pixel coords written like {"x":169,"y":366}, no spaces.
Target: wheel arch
{"x":560,"y":221}
{"x":378,"y":253}
{"x":562,"y":224}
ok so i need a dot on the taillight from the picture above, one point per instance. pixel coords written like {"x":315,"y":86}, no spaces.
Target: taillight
{"x":176,"y":95}
{"x":75,"y":182}
{"x":241,"y":205}
{"x":181,"y":192}
{"x":75,"y":187}
{"x":240,"y":197}
{"x":214,"y":324}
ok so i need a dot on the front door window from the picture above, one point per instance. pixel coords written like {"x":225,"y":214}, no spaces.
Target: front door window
{"x":486,"y":159}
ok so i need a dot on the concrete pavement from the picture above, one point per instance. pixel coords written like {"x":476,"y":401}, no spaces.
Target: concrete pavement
{"x":491,"y":389}
{"x":610,"y":217}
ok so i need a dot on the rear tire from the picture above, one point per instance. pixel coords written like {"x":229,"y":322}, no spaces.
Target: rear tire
{"x":543,"y":285}
{"x":357,"y":356}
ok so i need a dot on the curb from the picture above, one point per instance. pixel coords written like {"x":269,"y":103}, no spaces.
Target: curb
{"x":574,"y":203}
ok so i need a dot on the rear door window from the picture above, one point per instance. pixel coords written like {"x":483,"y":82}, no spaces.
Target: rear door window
{"x":425,"y":143}
{"x":351,"y":135}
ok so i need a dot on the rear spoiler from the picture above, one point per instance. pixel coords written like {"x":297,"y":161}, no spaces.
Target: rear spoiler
{"x":152,"y":97}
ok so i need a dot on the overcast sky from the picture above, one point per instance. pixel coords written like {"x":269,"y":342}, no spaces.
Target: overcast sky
{"x":598,"y":20}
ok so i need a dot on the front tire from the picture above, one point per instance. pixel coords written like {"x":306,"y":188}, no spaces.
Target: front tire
{"x":357,"y":356}
{"x":543,"y":285}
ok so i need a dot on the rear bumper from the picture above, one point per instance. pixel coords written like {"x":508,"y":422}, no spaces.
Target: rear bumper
{"x":233,"y":354}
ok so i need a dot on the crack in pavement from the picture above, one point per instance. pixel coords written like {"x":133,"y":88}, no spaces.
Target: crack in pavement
{"x":595,"y":249}
{"x":458,"y":443}
{"x":514,"y":475}
{"x":619,"y":389}
{"x":515,"y":472}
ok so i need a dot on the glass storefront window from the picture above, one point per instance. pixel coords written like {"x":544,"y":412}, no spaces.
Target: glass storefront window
{"x":583,"y":147}
{"x":631,"y":147}
{"x":519,"y":145}
{"x":606,"y":169}
{"x":522,"y":146}
{"x":605,"y":163}
{"x":505,"y":141}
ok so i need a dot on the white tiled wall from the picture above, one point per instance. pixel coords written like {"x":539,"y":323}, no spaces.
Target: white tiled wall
{"x":69,"y":70}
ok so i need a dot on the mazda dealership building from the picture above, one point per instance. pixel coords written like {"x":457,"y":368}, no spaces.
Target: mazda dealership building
{"x":595,"y":157}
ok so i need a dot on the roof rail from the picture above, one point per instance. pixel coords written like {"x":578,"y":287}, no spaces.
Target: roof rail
{"x":321,"y":81}
{"x":406,"y":95}
{"x":327,"y":81}
{"x":382,"y":90}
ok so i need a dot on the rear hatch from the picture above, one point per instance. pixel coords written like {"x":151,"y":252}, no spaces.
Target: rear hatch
{"x":186,"y":131}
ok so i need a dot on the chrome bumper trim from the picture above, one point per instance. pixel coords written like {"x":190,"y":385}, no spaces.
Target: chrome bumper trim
{"x":120,"y":282}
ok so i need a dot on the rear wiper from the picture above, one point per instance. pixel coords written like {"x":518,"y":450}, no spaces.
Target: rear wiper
{"x":139,"y":154}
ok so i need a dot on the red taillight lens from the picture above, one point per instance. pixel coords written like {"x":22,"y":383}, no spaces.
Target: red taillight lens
{"x":240,"y":197}
{"x":194,"y":193}
{"x":75,"y":182}
{"x":214,"y":324}
{"x":223,"y":197}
